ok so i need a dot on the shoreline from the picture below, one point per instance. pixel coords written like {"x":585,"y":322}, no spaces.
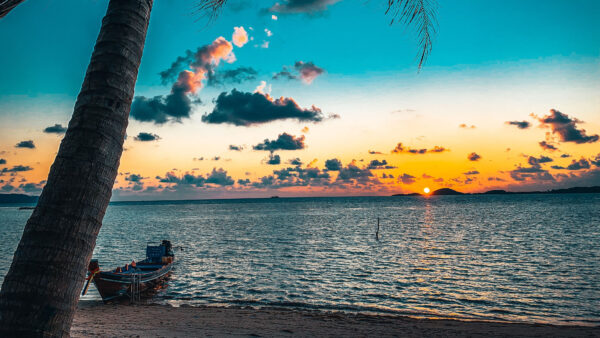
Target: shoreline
{"x":97,"y":319}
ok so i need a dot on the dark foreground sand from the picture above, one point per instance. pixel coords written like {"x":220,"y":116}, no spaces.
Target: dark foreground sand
{"x":96,"y":319}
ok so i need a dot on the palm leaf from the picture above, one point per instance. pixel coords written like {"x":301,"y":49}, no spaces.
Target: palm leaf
{"x":210,"y":8}
{"x":7,"y":6}
{"x":419,"y":14}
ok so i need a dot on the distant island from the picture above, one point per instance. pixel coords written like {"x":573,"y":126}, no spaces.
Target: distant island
{"x":448,"y":191}
{"x":17,"y":198}
{"x":27,"y":199}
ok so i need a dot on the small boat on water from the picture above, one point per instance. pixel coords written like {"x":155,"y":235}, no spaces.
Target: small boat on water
{"x":135,"y":279}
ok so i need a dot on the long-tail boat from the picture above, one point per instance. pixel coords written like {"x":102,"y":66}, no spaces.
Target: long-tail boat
{"x":135,"y":279}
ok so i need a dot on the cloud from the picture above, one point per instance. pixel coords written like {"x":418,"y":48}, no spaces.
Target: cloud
{"x":295,"y":161}
{"x":535,"y":172}
{"x":285,"y":74}
{"x":473,"y":157}
{"x":566,"y":128}
{"x":268,"y":32}
{"x":16,"y":168}
{"x":352,"y":173}
{"x":472,"y":172}
{"x":134,"y":178}
{"x":177,"y":105}
{"x":295,"y":176}
{"x":333,"y":164}
{"x":164,"y":108}
{"x":243,"y":181}
{"x":301,"y":6}
{"x":32,"y":188}
{"x":202,"y":61}
{"x":373,"y":152}
{"x":438,"y":149}
{"x":596,"y":161}
{"x":284,"y":141}
{"x":146,"y":137}
{"x":25,"y":144}
{"x":578,"y":165}
{"x":185,"y":179}
{"x":519,"y":124}
{"x":402,"y":149}
{"x":246,"y":109}
{"x":180,"y":64}
{"x":239,"y":37}
{"x":217,"y":177}
{"x":547,"y":146}
{"x":465,"y":126}
{"x":536,"y":161}
{"x":55,"y":129}
{"x":235,"y":148}
{"x":306,"y":71}
{"x":406,"y":179}
{"x":261,"y":88}
{"x":565,"y":155}
{"x":375,"y":164}
{"x":274,"y":160}
{"x":236,"y":75}
{"x":2,"y":161}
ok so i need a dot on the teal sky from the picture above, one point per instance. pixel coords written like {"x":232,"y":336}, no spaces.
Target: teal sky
{"x":47,"y":44}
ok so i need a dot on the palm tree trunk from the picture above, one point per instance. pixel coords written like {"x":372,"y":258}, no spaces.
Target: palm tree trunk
{"x":7,"y":6}
{"x":41,"y":290}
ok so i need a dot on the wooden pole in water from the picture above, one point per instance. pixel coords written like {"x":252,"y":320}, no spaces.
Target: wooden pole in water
{"x":377,"y":232}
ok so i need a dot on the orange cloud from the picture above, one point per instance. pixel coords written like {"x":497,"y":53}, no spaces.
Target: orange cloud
{"x":240,"y":36}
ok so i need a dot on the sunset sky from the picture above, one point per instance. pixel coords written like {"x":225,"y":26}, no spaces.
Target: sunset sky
{"x":318,"y":98}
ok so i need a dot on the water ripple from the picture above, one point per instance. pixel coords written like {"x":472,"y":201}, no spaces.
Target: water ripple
{"x":518,"y":258}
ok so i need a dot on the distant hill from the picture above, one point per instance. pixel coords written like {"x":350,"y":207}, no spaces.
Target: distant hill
{"x":446,"y":191}
{"x":496,"y":192}
{"x":574,"y":190}
{"x":17,"y":198}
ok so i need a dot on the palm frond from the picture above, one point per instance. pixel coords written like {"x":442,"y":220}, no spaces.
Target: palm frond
{"x":7,"y":6}
{"x":421,"y":16}
{"x":209,"y":8}
{"x":417,"y":14}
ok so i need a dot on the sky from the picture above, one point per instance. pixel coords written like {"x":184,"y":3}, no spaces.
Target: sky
{"x":318,"y":98}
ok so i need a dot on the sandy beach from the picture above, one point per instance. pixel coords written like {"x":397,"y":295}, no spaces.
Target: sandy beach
{"x":97,"y":319}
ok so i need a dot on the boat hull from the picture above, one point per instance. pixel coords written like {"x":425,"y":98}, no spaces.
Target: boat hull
{"x":121,"y":286}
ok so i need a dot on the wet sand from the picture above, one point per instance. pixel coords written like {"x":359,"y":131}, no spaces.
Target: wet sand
{"x":97,"y":319}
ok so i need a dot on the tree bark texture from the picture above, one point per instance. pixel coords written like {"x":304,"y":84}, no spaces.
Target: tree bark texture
{"x":40,"y":292}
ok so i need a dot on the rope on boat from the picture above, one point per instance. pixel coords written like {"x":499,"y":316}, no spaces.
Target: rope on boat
{"x":89,"y":279}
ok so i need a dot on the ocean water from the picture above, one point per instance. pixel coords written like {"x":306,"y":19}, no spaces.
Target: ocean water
{"x":529,"y":258}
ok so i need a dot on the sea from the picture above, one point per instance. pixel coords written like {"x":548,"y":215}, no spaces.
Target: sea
{"x":518,"y":258}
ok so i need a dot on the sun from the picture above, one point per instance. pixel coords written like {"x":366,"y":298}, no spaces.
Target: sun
{"x":426,"y":190}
